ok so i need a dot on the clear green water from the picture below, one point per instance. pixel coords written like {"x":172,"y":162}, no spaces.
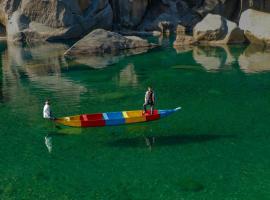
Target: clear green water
{"x":217,"y":147}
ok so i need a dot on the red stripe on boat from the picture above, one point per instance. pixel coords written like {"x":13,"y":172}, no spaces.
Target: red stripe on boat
{"x":152,"y":117}
{"x":92,"y":120}
{"x":83,"y":118}
{"x":93,"y":123}
{"x":148,"y":112}
{"x":91,"y":117}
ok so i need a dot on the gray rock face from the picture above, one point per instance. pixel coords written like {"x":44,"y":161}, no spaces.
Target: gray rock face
{"x":101,"y":41}
{"x":148,"y":14}
{"x":53,"y":19}
{"x":229,"y":9}
{"x":162,"y":12}
{"x":256,"y":26}
{"x":215,"y":29}
{"x":128,"y":13}
{"x":261,"y":5}
{"x":66,"y":19}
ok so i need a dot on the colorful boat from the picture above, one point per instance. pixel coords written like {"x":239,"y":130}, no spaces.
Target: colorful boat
{"x":113,"y":118}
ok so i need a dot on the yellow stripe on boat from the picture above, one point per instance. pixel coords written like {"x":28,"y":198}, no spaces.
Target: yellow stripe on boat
{"x":67,"y":121}
{"x":125,"y":114}
{"x":70,"y":118}
{"x":134,"y":116}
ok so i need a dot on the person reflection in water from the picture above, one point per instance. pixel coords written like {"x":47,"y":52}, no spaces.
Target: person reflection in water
{"x":150,"y":141}
{"x":149,"y":99}
{"x":48,"y":143}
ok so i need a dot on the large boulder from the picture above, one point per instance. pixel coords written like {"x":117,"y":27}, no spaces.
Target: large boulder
{"x":54,"y":19}
{"x":101,"y":41}
{"x":101,"y":48}
{"x":215,"y":29}
{"x":256,"y":26}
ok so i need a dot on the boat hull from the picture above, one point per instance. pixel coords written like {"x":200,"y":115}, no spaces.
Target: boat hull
{"x":113,"y":118}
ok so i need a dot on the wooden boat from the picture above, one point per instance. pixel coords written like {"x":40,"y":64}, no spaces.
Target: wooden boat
{"x":113,"y":118}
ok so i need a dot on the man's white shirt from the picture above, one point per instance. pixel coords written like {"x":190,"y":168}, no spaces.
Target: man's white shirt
{"x":46,"y":111}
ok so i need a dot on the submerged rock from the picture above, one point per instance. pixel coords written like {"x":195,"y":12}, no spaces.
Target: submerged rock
{"x":215,"y":29}
{"x":256,"y":26}
{"x":101,"y":41}
{"x":190,"y":185}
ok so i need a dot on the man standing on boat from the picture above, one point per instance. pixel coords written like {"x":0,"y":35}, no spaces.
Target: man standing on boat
{"x":47,"y":111}
{"x":149,"y":100}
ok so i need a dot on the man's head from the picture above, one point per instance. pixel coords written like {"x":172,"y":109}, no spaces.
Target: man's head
{"x":47,"y":102}
{"x":149,"y":88}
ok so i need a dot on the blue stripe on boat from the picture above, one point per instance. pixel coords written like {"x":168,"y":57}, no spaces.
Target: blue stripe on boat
{"x":114,"y":118}
{"x":164,"y":113}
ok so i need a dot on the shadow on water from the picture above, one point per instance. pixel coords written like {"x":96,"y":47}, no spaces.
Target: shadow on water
{"x":167,"y":140}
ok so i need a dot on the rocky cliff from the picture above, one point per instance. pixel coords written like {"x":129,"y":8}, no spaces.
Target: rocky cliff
{"x":35,"y":20}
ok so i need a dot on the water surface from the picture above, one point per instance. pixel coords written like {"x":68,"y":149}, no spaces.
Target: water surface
{"x":217,"y":147}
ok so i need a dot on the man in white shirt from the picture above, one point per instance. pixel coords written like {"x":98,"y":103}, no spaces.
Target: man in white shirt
{"x":47,"y":110}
